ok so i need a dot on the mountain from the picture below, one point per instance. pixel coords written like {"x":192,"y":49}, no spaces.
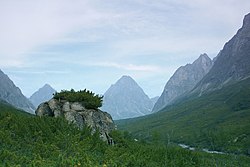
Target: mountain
{"x":43,"y":94}
{"x":183,"y":81}
{"x":13,"y":95}
{"x":232,"y":63}
{"x":126,"y":99}
{"x":218,"y":118}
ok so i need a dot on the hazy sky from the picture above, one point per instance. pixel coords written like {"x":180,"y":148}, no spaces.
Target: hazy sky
{"x":92,"y":43}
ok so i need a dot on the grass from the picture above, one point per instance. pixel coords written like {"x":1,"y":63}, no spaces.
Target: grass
{"x":27,"y":140}
{"x":217,"y":120}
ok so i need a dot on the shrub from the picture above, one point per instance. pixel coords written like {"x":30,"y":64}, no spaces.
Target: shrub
{"x":89,"y":99}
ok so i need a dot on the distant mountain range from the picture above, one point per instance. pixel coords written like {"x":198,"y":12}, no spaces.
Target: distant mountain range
{"x":10,"y":93}
{"x":215,"y":112}
{"x":126,"y":99}
{"x":183,"y":81}
{"x":43,"y":94}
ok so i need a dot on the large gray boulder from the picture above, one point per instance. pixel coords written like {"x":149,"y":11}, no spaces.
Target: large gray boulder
{"x":44,"y":110}
{"x":76,"y":113}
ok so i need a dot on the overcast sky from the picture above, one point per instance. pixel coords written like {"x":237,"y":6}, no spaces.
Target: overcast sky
{"x":92,"y":43}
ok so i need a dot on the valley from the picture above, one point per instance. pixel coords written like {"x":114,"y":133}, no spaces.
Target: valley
{"x":127,"y":54}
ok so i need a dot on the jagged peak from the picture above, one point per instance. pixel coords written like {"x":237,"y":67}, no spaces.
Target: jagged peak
{"x":203,"y":58}
{"x":204,"y":55}
{"x":246,"y":20}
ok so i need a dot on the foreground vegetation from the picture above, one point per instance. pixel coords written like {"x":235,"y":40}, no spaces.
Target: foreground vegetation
{"x":27,"y":140}
{"x":88,"y":98}
{"x":218,"y":121}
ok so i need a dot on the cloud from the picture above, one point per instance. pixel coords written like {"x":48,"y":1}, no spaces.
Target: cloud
{"x":126,"y":67}
{"x":144,"y":38}
{"x":46,"y":72}
{"x":26,"y":25}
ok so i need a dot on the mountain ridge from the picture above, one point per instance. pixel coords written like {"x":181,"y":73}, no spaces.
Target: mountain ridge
{"x":183,"y":80}
{"x":232,"y":63}
{"x":10,"y":93}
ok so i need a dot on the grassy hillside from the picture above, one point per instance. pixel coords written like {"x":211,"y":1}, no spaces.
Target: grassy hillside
{"x":28,"y":140}
{"x":219,"y":121}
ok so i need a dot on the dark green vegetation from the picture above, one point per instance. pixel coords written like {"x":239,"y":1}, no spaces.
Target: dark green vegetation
{"x":27,"y":140}
{"x":88,"y":98}
{"x":219,"y":120}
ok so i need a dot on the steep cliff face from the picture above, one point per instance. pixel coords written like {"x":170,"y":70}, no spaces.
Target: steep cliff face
{"x":43,"y":94}
{"x":126,"y":99}
{"x":13,"y":95}
{"x":232,"y":64}
{"x":76,"y":113}
{"x":183,"y":81}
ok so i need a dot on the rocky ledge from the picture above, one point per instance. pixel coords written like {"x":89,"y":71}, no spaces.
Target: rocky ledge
{"x":76,"y":113}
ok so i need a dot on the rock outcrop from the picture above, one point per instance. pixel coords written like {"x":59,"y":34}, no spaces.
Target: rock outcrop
{"x":183,"y":81}
{"x":126,"y":99}
{"x":76,"y":113}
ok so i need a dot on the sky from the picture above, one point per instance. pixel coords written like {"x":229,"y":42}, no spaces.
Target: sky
{"x":92,"y":43}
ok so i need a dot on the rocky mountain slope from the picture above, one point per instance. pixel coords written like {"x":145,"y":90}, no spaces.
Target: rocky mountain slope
{"x":232,"y":64}
{"x":126,"y":99}
{"x":43,"y":94}
{"x":13,"y":95}
{"x":183,"y":81}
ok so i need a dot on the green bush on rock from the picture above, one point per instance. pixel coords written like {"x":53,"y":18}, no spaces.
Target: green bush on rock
{"x":88,"y":98}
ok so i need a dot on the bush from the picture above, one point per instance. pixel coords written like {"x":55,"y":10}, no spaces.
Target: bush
{"x":88,"y":98}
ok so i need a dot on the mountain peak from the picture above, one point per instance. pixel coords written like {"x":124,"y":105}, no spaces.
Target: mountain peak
{"x":204,"y":56}
{"x":126,"y":99}
{"x":246,"y":21}
{"x":232,"y":63}
{"x":203,"y":59}
{"x":43,"y":94}
{"x":127,"y":78}
{"x":47,"y":86}
{"x":183,"y":80}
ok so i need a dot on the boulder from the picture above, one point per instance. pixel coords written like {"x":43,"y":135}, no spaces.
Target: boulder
{"x":77,"y":106}
{"x":76,"y":113}
{"x":44,"y":110}
{"x":75,"y":118}
{"x":66,"y":107}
